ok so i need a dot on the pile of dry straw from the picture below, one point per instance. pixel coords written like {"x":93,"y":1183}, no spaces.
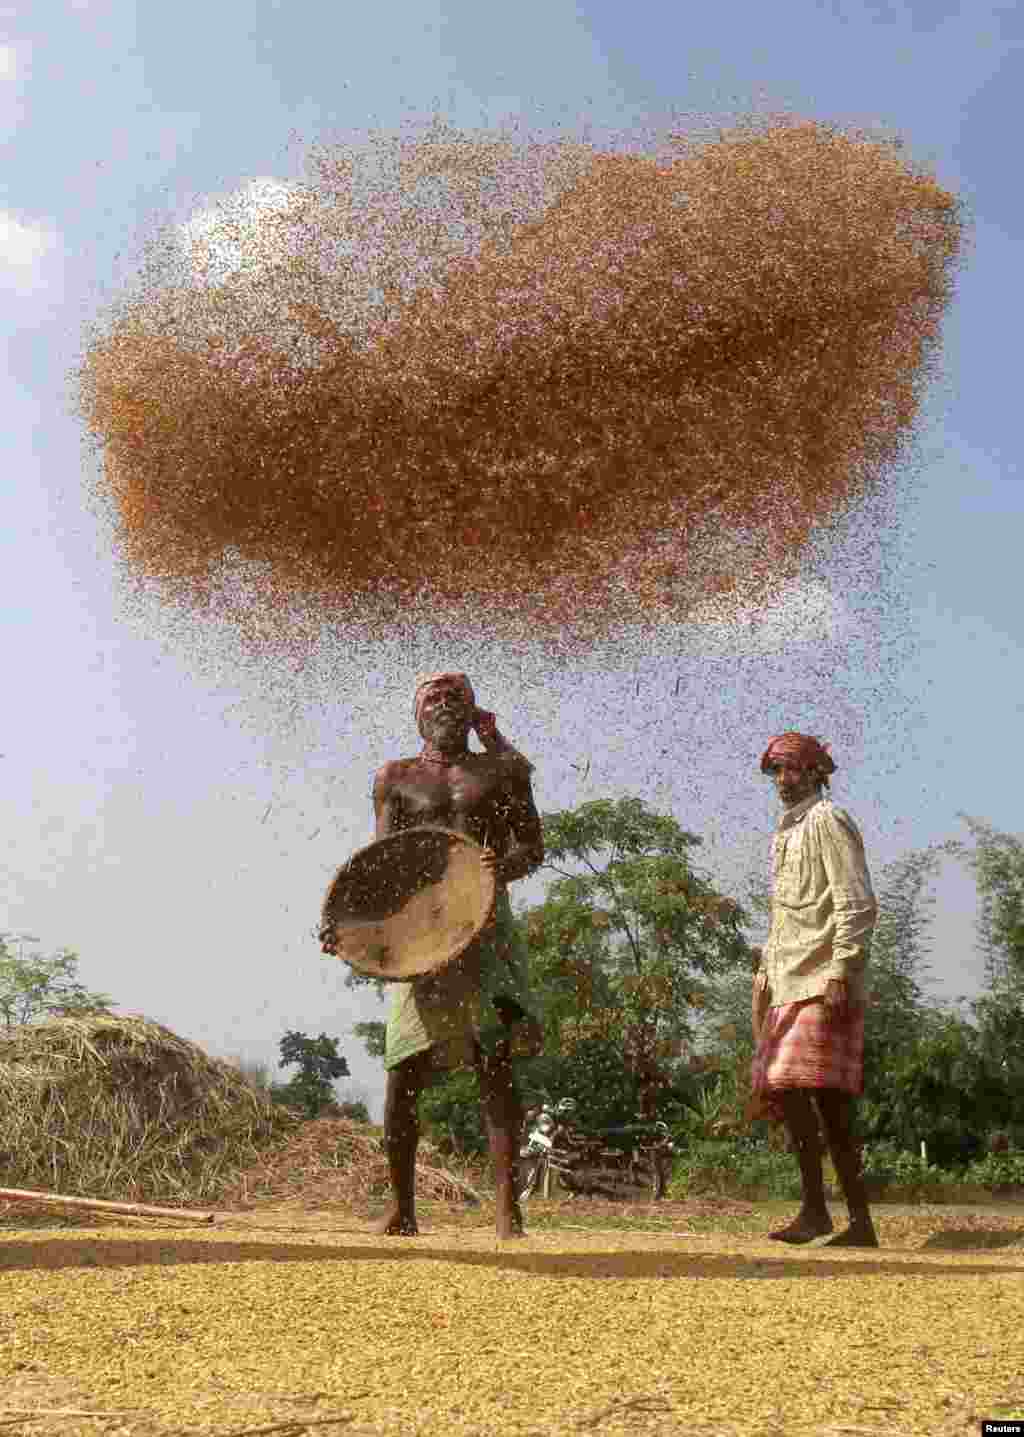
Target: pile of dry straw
{"x":120,"y":1108}
{"x":537,"y":380}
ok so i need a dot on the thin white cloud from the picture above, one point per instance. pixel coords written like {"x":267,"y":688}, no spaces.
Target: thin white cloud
{"x":243,"y":232}
{"x":8,"y":63}
{"x":30,"y":254}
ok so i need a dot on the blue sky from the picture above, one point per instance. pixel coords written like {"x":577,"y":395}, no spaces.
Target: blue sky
{"x":140,"y":758}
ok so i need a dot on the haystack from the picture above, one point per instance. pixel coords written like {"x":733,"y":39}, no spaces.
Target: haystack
{"x":113,"y":1107}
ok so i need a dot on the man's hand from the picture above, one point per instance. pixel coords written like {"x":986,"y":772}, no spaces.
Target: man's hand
{"x":484,"y":723}
{"x":760,"y":1002}
{"x":837,"y":1000}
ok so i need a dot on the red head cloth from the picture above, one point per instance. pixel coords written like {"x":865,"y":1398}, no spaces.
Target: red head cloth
{"x":798,"y":748}
{"x":428,"y":681}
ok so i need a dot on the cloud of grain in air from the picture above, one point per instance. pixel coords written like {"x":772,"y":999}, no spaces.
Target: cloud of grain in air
{"x":548,"y":391}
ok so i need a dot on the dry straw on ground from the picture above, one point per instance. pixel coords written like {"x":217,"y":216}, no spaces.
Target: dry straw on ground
{"x":535,"y":380}
{"x":119,"y":1107}
{"x":332,"y":1160}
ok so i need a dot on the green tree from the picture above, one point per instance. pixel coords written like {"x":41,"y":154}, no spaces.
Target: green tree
{"x":997,"y":862}
{"x":319,"y":1064}
{"x":625,"y":947}
{"x":623,"y":950}
{"x":450,"y":1114}
{"x":33,"y":986}
{"x":373,"y":1036}
{"x":941,"y":1089}
{"x":900,"y":1012}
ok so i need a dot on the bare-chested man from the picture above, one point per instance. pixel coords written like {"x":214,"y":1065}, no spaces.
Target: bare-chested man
{"x":808,"y":1005}
{"x":478,"y":1011}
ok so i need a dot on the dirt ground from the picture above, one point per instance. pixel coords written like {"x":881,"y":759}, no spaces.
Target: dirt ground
{"x":675,"y":1318}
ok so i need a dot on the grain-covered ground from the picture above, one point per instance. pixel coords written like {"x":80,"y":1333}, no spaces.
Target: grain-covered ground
{"x":292,"y":1318}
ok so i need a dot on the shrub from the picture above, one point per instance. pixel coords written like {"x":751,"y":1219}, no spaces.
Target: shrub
{"x":895,"y":1167}
{"x":994,"y":1170}
{"x":451,"y":1118}
{"x":741,"y":1166}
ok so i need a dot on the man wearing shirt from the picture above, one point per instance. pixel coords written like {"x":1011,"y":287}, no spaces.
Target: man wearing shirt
{"x":809,"y":988}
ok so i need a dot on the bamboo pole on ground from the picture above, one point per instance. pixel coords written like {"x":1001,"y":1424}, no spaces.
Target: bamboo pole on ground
{"x":140,"y":1209}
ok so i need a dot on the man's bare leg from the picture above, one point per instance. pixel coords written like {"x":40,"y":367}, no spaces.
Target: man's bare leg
{"x":813,"y":1219}
{"x":504,"y":1118}
{"x":836,"y":1110}
{"x":401,"y":1138}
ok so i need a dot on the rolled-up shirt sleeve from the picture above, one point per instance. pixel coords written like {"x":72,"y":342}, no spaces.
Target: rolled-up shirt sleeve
{"x":854,"y":907}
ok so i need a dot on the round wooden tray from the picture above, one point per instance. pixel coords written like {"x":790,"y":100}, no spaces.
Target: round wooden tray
{"x":410,"y":903}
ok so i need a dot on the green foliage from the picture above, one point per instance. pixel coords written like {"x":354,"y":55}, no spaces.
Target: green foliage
{"x":899,"y":1013}
{"x":996,"y":1170}
{"x":719,"y":1097}
{"x":625,"y":945}
{"x":941,"y":1090}
{"x":906,"y":1170}
{"x":373,"y":1035}
{"x":596,"y":1075}
{"x":33,"y":986}
{"x":312,"y":1088}
{"x":899,"y":948}
{"x":1000,"y":1019}
{"x":746,"y":1167}
{"x":997,"y":862}
{"x":733,"y":1168}
{"x":450,"y":1115}
{"x":928,"y":1074}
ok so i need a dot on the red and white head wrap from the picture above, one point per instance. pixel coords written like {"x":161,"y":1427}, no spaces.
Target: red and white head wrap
{"x":426,"y":682}
{"x":798,"y":748}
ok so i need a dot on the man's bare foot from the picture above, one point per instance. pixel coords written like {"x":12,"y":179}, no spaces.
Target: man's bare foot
{"x":858,"y":1234}
{"x":805,"y":1227}
{"x":396,"y":1223}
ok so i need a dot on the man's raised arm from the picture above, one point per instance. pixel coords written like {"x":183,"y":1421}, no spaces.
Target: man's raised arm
{"x":385,"y":803}
{"x":525,"y":853}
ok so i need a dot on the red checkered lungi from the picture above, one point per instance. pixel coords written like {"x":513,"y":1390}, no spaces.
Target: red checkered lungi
{"x":801,"y":1047}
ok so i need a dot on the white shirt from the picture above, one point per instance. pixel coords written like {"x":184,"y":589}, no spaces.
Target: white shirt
{"x":823,"y":905}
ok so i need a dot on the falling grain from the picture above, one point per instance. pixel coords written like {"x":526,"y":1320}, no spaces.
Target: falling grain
{"x":540,"y":382}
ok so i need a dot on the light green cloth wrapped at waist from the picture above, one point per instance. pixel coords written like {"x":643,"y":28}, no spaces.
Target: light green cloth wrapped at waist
{"x":454,"y":1013}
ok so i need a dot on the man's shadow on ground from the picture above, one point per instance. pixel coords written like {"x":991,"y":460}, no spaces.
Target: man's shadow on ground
{"x":87,"y":1252}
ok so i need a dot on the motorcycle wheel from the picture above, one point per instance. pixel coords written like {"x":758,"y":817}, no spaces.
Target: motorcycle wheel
{"x":651,"y":1173}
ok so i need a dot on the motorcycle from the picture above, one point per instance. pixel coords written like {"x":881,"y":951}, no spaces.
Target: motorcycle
{"x":622,"y":1163}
